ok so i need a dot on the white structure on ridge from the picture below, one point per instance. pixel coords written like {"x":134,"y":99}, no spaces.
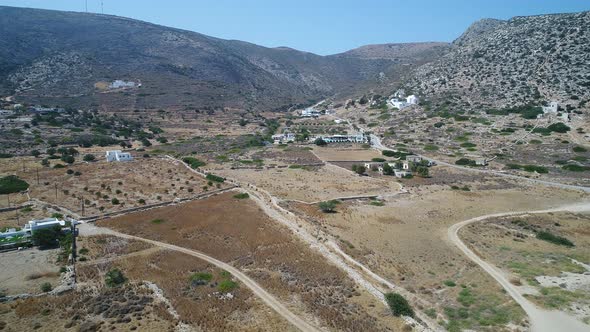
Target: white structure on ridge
{"x":117,"y":155}
{"x":552,"y":108}
{"x":283,"y":138}
{"x":400,"y":104}
{"x":310,"y":112}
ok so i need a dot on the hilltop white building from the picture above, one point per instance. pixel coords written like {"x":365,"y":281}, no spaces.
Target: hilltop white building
{"x":401,"y":104}
{"x":552,"y":108}
{"x":283,"y":138}
{"x":117,"y":155}
{"x":310,"y":112}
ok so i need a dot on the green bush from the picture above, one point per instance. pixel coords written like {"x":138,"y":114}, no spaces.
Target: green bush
{"x":47,"y":237}
{"x":328,"y":206}
{"x":201,"y":276}
{"x":214,"y":178}
{"x":399,"y":305}
{"x":555,"y":239}
{"x":157,"y":221}
{"x":579,"y":149}
{"x":46,"y":287}
{"x":559,"y":127}
{"x":449,"y":283}
{"x":114,"y":278}
{"x":227,"y":286}
{"x":12,"y":184}
{"x":575,"y":168}
{"x":193,"y":162}
{"x":378,"y":160}
{"x":242,"y":196}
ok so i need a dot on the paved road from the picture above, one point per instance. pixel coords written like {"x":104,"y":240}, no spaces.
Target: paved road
{"x":541,"y":320}
{"x":376,"y":143}
{"x":89,"y":230}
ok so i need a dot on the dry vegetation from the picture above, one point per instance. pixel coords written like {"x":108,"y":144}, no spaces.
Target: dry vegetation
{"x":236,"y":231}
{"x":404,"y":239}
{"x":554,"y":276}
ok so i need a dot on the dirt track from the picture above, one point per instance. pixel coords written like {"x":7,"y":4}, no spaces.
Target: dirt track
{"x":90,"y":230}
{"x":541,"y":320}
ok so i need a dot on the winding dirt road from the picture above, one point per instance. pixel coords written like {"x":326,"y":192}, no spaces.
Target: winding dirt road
{"x":86,"y":229}
{"x":541,"y":320}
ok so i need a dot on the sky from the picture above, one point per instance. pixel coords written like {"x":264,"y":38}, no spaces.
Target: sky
{"x":318,"y":26}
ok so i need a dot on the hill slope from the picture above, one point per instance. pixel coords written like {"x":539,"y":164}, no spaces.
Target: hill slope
{"x":518,"y":61}
{"x":53,"y":57}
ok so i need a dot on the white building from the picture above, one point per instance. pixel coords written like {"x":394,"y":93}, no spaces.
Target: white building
{"x":120,"y":84}
{"x":401,"y":173}
{"x":412,"y":100}
{"x":310,"y":112}
{"x":397,"y":103}
{"x":413,"y":158}
{"x":283,"y":138}
{"x":357,"y":138}
{"x":117,"y":155}
{"x":35,"y":225}
{"x":552,"y":108}
{"x":376,"y":165}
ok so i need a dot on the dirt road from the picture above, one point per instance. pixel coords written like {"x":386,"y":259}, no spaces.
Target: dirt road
{"x":541,"y":320}
{"x":86,"y":229}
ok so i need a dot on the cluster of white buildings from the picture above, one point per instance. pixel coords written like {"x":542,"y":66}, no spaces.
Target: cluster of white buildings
{"x":283,"y":138}
{"x":401,"y":168}
{"x":401,"y":103}
{"x":117,"y":155}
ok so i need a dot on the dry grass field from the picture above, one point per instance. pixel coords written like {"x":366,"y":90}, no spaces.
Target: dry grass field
{"x":404,"y":239}
{"x":136,"y":183}
{"x":25,"y":271}
{"x":313,"y":184}
{"x":555,"y":276}
{"x":238,"y":232}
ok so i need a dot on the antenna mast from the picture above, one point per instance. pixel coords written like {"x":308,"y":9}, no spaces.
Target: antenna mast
{"x":102,"y":7}
{"x":86,"y":6}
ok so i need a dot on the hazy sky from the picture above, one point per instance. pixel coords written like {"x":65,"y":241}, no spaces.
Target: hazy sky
{"x":319,"y":26}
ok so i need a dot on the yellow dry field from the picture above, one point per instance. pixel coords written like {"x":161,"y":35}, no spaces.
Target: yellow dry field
{"x":335,"y":153}
{"x":313,"y":185}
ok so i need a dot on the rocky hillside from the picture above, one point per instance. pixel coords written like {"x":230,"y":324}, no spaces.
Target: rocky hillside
{"x":519,"y":61}
{"x":66,"y":58}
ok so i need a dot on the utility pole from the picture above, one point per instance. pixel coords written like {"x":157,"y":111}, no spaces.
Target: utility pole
{"x":83,"y":205}
{"x":86,"y":6}
{"x":55,"y":192}
{"x":37,"y":175}
{"x":8,"y":198}
{"x":102,"y":7}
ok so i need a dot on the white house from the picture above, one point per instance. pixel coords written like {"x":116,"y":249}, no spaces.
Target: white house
{"x":413,"y":158}
{"x":412,"y":100}
{"x":397,"y":103}
{"x":552,"y":108}
{"x":35,"y":225}
{"x":371,"y":165}
{"x":283,"y":138}
{"x":401,"y":173}
{"x":120,"y":84}
{"x":310,"y":112}
{"x":117,"y":155}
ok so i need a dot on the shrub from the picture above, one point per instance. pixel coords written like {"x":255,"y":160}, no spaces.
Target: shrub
{"x":575,"y":168}
{"x":58,"y":166}
{"x":46,"y":287}
{"x":359,"y":169}
{"x":193,"y":162}
{"x":399,"y":305}
{"x":242,"y":196}
{"x":320,"y":142}
{"x":115,"y":201}
{"x":555,"y":239}
{"x":214,"y":178}
{"x":35,"y":153}
{"x":327,"y":206}
{"x":47,"y":237}
{"x":68,"y":159}
{"x":378,"y":160}
{"x":141,"y":201}
{"x":114,"y":278}
{"x":227,"y":286}
{"x":157,"y":221}
{"x":579,"y":149}
{"x":70,"y":171}
{"x":388,"y":153}
{"x":559,"y":127}
{"x":89,"y":157}
{"x":201,"y":276}
{"x":430,"y":147}
{"x":449,"y":283}
{"x":465,"y":162}
{"x":12,"y":184}
{"x":83,"y":251}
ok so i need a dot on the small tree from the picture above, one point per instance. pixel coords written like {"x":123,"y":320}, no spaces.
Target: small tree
{"x":45,"y":162}
{"x":422,"y":171}
{"x":47,"y":237}
{"x":328,"y":206}
{"x":399,"y":305}
{"x":114,"y":278}
{"x":359,"y":169}
{"x":387,"y":170}
{"x":46,"y":287}
{"x":35,"y":153}
{"x":320,"y":142}
{"x":115,"y":201}
{"x":68,"y":159}
{"x":89,"y":157}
